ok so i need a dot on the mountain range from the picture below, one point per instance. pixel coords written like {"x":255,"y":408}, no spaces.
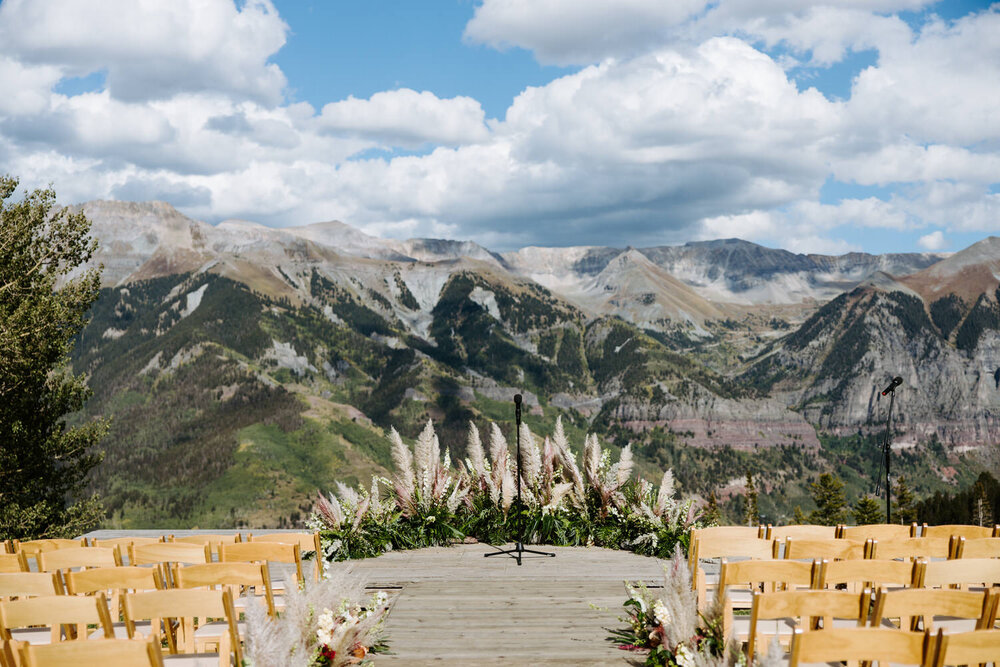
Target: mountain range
{"x":236,"y":358}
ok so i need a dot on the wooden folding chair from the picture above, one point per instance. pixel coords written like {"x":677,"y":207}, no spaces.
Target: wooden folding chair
{"x":878,"y":531}
{"x":243,"y":580}
{"x":179,"y":612}
{"x":718,"y":544}
{"x":832,"y":549}
{"x":958,"y":530}
{"x":308,"y":542}
{"x":985,"y":547}
{"x":777,"y":614}
{"x":964,"y":573}
{"x":32,"y":548}
{"x":950,"y":609}
{"x":913,"y":547}
{"x":980,"y":647}
{"x":48,"y":619}
{"x":857,"y":575}
{"x":115,"y":582}
{"x":854,"y":645}
{"x":164,"y":554}
{"x":13,"y":563}
{"x":106,"y":653}
{"x":739,"y":580}
{"x":801,"y":532}
{"x":264,"y":552}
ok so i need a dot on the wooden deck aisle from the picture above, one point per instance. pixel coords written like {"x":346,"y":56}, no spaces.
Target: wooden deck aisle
{"x":456,"y":607}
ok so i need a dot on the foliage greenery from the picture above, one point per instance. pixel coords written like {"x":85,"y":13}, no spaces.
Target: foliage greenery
{"x":44,"y":298}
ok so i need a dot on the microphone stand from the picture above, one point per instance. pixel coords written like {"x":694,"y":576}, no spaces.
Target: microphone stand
{"x":518,"y":550}
{"x":887,"y":455}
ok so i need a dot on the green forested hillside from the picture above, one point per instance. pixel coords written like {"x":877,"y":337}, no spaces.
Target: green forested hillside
{"x":230,"y":407}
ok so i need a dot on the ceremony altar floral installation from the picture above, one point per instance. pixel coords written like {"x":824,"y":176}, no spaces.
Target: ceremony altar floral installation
{"x":433,"y":501}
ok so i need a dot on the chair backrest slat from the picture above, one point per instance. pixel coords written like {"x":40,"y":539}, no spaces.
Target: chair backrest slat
{"x":28,"y":584}
{"x":855,"y":644}
{"x":911,"y":604}
{"x":967,"y":648}
{"x":808,"y":607}
{"x":107,"y":653}
{"x":879,"y":531}
{"x":946,"y":531}
{"x":961,"y":572}
{"x":913,"y":547}
{"x":263,"y":552}
{"x":804,"y":531}
{"x":73,"y":557}
{"x":984,"y":547}
{"x":55,"y":610}
{"x":306,"y":541}
{"x":13,"y":563}
{"x":831,"y":549}
{"x":867,"y":573}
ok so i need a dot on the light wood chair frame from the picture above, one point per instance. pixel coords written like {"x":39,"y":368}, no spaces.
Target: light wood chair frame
{"x":105,"y":653}
{"x":911,"y":604}
{"x":306,"y":542}
{"x":856,"y":645}
{"x":814,"y":609}
{"x":178,"y":610}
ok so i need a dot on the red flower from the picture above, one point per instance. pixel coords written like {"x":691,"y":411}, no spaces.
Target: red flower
{"x":328,"y":653}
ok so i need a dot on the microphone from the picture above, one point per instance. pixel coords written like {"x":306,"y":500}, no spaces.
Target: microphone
{"x":896,"y":381}
{"x":517,"y":412}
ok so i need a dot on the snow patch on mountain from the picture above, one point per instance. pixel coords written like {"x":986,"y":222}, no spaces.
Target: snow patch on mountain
{"x":487,"y":300}
{"x":193,"y":301}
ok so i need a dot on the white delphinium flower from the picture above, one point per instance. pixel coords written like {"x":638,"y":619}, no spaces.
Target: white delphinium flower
{"x":324,"y":627}
{"x":684,"y":656}
{"x":660,"y":613}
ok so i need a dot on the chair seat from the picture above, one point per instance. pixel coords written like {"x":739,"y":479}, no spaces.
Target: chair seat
{"x":32,"y":635}
{"x":217,"y":629}
{"x":142,"y":628}
{"x":768,"y":628}
{"x":949,"y":625}
{"x":193,"y":660}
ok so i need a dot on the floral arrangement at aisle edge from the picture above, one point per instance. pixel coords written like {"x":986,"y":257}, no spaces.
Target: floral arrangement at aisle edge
{"x":323,"y":625}
{"x":671,"y":628}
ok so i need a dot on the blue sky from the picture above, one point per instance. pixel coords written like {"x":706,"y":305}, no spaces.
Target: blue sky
{"x":848,"y":125}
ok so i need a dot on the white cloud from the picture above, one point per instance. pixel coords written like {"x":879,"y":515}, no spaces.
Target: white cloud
{"x":407,"y":118}
{"x":581,"y":32}
{"x":669,"y":132}
{"x":568,"y":32}
{"x":152,"y":49}
{"x":942,"y":87}
{"x":933,"y":241}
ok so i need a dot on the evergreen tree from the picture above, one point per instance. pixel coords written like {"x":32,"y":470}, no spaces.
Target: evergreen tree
{"x":712,"y":516}
{"x":799,"y":518}
{"x":831,"y":503}
{"x":751,"y":516}
{"x":867,"y":511}
{"x":904,"y":509}
{"x":44,"y":298}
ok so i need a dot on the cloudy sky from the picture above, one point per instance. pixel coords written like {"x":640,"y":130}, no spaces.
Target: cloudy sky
{"x":847,"y":125}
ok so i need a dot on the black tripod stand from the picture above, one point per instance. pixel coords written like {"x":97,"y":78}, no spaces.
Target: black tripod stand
{"x":518,"y":550}
{"x":887,"y":450}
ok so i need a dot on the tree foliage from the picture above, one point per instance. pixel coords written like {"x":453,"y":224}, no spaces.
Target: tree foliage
{"x":44,"y":299}
{"x":751,"y":515}
{"x":867,"y":511}
{"x":831,"y":502}
{"x":904,"y":508}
